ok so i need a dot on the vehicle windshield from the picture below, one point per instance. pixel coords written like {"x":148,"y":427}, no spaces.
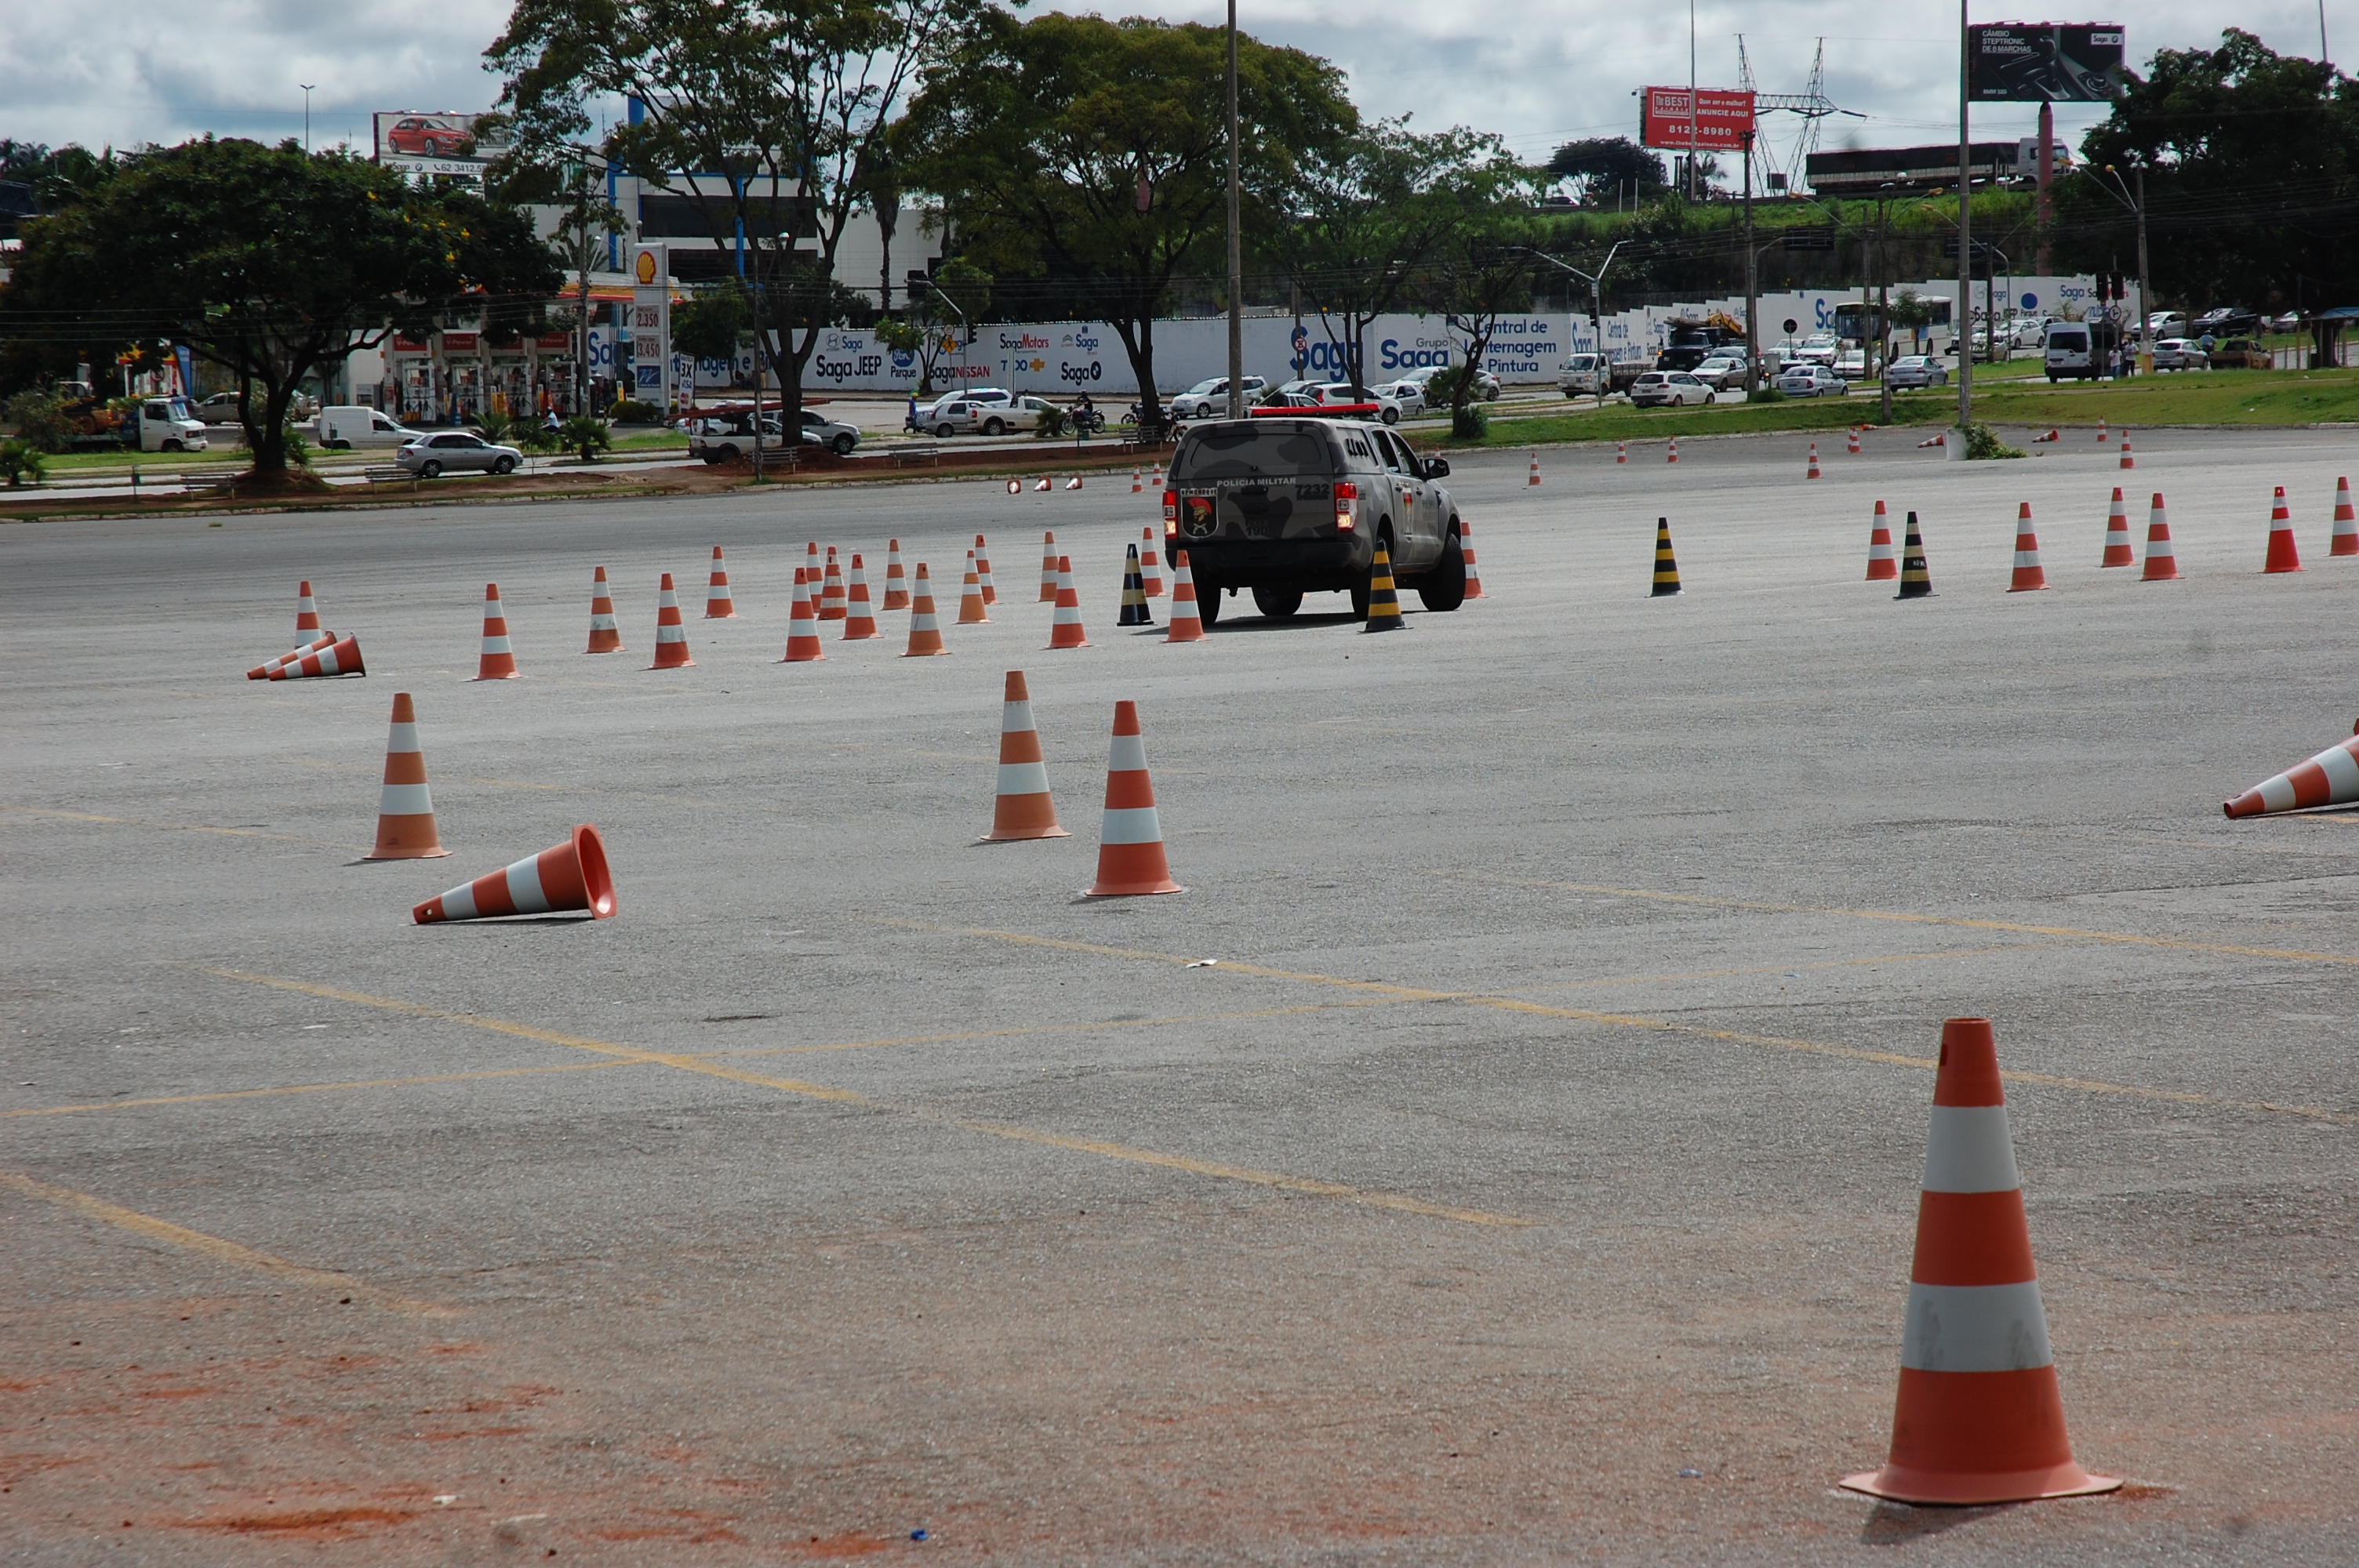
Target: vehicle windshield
{"x":1260,"y":452}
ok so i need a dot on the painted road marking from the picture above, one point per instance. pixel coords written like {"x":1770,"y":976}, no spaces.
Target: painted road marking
{"x":180,"y":826}
{"x":688,"y":1063}
{"x":313,"y":1088}
{"x":216,"y":1248}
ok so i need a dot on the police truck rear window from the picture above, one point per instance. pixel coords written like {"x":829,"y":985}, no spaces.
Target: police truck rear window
{"x":1256,"y":452}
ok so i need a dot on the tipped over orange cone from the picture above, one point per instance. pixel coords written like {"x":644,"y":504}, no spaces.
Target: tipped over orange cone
{"x":2030,"y":575}
{"x":1130,"y":843}
{"x":404,"y":808}
{"x":567,"y":876}
{"x":2284,"y":555}
{"x":262,"y":671}
{"x":2331,"y":778}
{"x":924,"y":630}
{"x":341,"y":657}
{"x":605,"y":636}
{"x":1186,"y":620}
{"x":1023,"y":809}
{"x":671,"y":636}
{"x":498,"y":661}
{"x":1979,"y":1418}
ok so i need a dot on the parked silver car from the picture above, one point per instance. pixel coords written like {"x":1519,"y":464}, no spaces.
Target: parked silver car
{"x":1208,"y":399}
{"x":2180,"y":354}
{"x":1812,"y":380}
{"x":1669,"y":389}
{"x":1916,"y":370}
{"x":455,"y":451}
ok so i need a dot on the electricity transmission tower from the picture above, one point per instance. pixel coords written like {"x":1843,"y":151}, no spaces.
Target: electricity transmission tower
{"x":1812,"y":106}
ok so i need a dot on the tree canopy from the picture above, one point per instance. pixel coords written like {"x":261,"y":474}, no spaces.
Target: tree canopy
{"x":1602,"y":164}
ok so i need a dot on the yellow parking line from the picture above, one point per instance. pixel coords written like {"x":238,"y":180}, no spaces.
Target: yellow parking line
{"x":688,"y":1063}
{"x":216,"y":1248}
{"x":1678,"y":975}
{"x":311,"y":1089}
{"x":178,"y":826}
{"x":1018,"y":1032}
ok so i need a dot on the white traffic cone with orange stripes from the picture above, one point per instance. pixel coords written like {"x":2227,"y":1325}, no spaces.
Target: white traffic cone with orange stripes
{"x":2346,"y":522}
{"x":1621,"y":451}
{"x":827,"y":595}
{"x":405,"y":807}
{"x":1065,"y":627}
{"x":816,"y":567}
{"x":1533,"y":483}
{"x":1813,"y":472}
{"x":971,"y":611}
{"x":2118,"y":552}
{"x":2127,"y":461}
{"x":569,"y":876}
{"x":1023,"y":809}
{"x":2100,"y":429}
{"x":1047,"y":569}
{"x":1074,"y":482}
{"x":924,"y":630}
{"x":1015,"y":487}
{"x":982,"y":571}
{"x":897,"y":587}
{"x":2030,"y":575}
{"x":1130,"y":843}
{"x":605,"y":636}
{"x":1186,"y":620}
{"x":671,"y":636}
{"x":1674,"y":456}
{"x":341,"y":657}
{"x":1851,"y":440}
{"x":2161,"y":560}
{"x":1137,"y":478}
{"x":1154,"y":478}
{"x":859,"y":615}
{"x":1466,"y":549}
{"x":2284,"y":556}
{"x":498,"y":660}
{"x":1151,"y":563}
{"x":306,"y":616}
{"x":718,"y":606}
{"x":1040,"y":485}
{"x":262,"y":671}
{"x":1979,"y":1418}
{"x":1883,"y":566}
{"x":802,"y":625}
{"x":2331,"y":778}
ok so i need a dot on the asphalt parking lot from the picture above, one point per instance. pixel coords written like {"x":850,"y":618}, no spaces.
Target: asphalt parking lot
{"x":1530,"y":1178}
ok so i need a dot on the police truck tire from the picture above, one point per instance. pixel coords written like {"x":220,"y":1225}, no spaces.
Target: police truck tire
{"x":1208,"y":602}
{"x":1444,"y":587}
{"x":1278,"y":603}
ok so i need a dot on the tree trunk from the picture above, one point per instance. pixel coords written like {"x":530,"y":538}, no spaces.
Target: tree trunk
{"x":1138,"y":335}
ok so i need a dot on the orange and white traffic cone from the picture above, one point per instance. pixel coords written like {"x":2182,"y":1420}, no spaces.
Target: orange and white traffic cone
{"x":1015,"y":487}
{"x":1813,"y":472}
{"x":2161,"y":561}
{"x":971,"y":611}
{"x":1851,"y":440}
{"x":1047,"y":569}
{"x":1137,"y":479}
{"x":404,"y":808}
{"x":605,"y":636}
{"x":306,"y":616}
{"x":1979,"y":1418}
{"x":924,"y":632}
{"x":1130,"y":843}
{"x":1466,"y":549}
{"x":1151,"y":563}
{"x":2118,"y":552}
{"x":1155,"y":480}
{"x":2284,"y":555}
{"x":897,"y":587}
{"x":859,"y":616}
{"x":1186,"y":620}
{"x":671,"y":636}
{"x":718,"y":605}
{"x":1621,"y":451}
{"x":2127,"y":461}
{"x":570,"y":875}
{"x":2100,"y":429}
{"x":813,"y":565}
{"x":2331,"y":778}
{"x":827,"y":595}
{"x":342,"y":657}
{"x":982,"y":571}
{"x":262,"y":671}
{"x":1883,"y":566}
{"x":1040,"y":485}
{"x":1534,"y":481}
{"x":2030,"y":575}
{"x":1074,"y":482}
{"x":1065,"y":629}
{"x":1674,"y":450}
{"x":802,"y":625}
{"x":2346,"y":522}
{"x":498,"y":661}
{"x":1023,"y":809}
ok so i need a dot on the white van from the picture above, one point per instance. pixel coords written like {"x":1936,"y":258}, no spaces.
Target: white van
{"x":341,"y":430}
{"x":2066,"y":351}
{"x":1584,"y":375}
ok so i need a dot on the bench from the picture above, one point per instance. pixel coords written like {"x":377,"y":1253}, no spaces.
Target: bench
{"x":916,"y":454}
{"x":376,"y":474}
{"x":207,"y":482}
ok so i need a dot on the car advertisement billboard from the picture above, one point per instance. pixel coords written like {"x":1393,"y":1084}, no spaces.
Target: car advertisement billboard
{"x":1723,"y":121}
{"x":440,"y":144}
{"x":2051,"y":62}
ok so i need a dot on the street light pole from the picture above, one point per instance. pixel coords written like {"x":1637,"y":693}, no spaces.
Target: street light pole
{"x":1236,"y":243}
{"x":1596,"y":287}
{"x":306,"y":87}
{"x":1964,"y":326}
{"x":1752,"y":280}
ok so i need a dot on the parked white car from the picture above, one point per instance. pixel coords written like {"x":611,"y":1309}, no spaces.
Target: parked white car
{"x":1209,"y":398}
{"x":342,"y":429}
{"x":1818,"y":349}
{"x":1410,"y":394}
{"x":456,"y":451}
{"x":1916,"y":370}
{"x":2180,"y":354}
{"x":1668,"y":389}
{"x":1387,"y":410}
{"x":1851,"y":364}
{"x":1812,"y":380}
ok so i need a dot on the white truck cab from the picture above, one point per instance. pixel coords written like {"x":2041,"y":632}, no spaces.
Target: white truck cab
{"x":342,"y":429}
{"x":166,"y":424}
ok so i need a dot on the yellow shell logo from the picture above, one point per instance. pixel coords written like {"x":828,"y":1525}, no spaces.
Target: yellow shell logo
{"x":1039,"y":365}
{"x":646,"y":267}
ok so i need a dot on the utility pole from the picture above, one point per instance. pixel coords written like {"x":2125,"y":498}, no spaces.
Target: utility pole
{"x":1694,"y":117}
{"x":1883,"y":298}
{"x":2146,"y":317}
{"x":1965,"y":325}
{"x":1236,"y":243}
{"x":306,"y":87}
{"x":1751,"y":281}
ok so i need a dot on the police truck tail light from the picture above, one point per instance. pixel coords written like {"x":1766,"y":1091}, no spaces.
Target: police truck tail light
{"x":1346,"y":492}
{"x":1171,"y":511}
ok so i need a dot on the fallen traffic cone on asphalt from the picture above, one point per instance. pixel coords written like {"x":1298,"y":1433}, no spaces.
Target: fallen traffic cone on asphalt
{"x":1040,"y":485}
{"x":1666,"y":565}
{"x":1134,"y":594}
{"x":1015,"y":487}
{"x":405,"y":809}
{"x":828,"y":596}
{"x":982,"y":571}
{"x":1150,"y":563}
{"x":1047,"y":569}
{"x":262,"y":671}
{"x":2117,"y":534}
{"x":2161,"y":561}
{"x":1940,"y":440}
{"x":718,"y":605}
{"x":2052,"y":436}
{"x":342,"y":657}
{"x":571,"y":875}
{"x":2030,"y":575}
{"x":1916,"y":582}
{"x":1466,"y":551}
{"x":1979,"y":1418}
{"x":1883,"y":566}
{"x":1534,"y":481}
{"x":2346,"y":522}
{"x":2127,"y":461}
{"x":1813,"y":472}
{"x":2284,"y":556}
{"x":802,"y":625}
{"x":1384,"y":599}
{"x":498,"y":661}
{"x":1674,"y":450}
{"x":971,"y":611}
{"x":924,"y":632}
{"x":1130,"y":841}
{"x":897,"y":587}
{"x":306,"y":616}
{"x":605,"y":636}
{"x":1022,"y":809}
{"x":1187,"y":621}
{"x":672,"y":637}
{"x":859,"y":616}
{"x":1074,"y":482}
{"x":2331,"y":778}
{"x":1065,"y":627}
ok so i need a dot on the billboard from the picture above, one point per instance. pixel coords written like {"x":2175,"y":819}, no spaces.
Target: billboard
{"x":2051,"y":62}
{"x":440,"y":143}
{"x":1723,"y":121}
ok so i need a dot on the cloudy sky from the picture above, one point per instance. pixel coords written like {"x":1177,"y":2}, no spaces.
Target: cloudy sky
{"x":1536,"y":71}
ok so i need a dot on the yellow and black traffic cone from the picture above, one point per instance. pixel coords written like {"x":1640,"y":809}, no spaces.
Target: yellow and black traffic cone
{"x":1916,"y":582}
{"x":1384,"y":601}
{"x":1134,"y":594}
{"x":1667,"y":565}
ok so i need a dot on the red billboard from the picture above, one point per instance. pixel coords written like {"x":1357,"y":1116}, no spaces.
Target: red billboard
{"x":1723,"y":124}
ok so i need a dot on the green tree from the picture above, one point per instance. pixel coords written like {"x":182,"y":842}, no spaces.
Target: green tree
{"x":1603,"y":163}
{"x":1093,"y":154}
{"x":782,"y":109}
{"x":271,"y":263}
{"x":1483,"y":269}
{"x":714,"y":322}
